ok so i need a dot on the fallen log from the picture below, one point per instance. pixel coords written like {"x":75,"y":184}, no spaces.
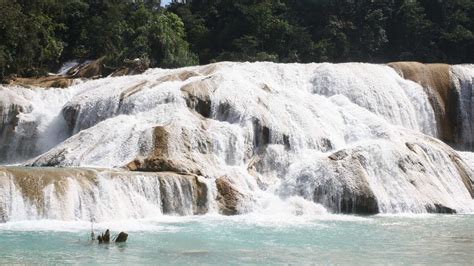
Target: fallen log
{"x":104,"y":238}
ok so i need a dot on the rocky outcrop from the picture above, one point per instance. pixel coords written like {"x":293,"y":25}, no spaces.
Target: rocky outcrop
{"x":15,"y":141}
{"x":8,"y":122}
{"x":197,"y":96}
{"x":76,"y":193}
{"x":353,"y":192}
{"x":132,"y":67}
{"x":449,"y":89}
{"x":462,"y":77}
{"x":92,"y":69}
{"x":86,"y":70}
{"x":43,"y":82}
{"x":436,"y":80}
{"x":229,"y":198}
{"x":190,"y":160}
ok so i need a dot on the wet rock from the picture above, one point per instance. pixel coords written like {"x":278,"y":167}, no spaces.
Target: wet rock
{"x":160,"y":160}
{"x":53,"y":81}
{"x":228,"y":196}
{"x":439,"y":208}
{"x":348,"y":191}
{"x":3,"y":214}
{"x":70,"y":114}
{"x":197,"y":97}
{"x":411,"y":163}
{"x":195,"y":149}
{"x":465,"y":172}
{"x":8,"y":122}
{"x":131,"y":91}
{"x":436,"y":81}
{"x":169,"y":192}
{"x":132,"y":67}
{"x":339,"y":155}
{"x":326,"y":145}
{"x":92,"y":69}
{"x":262,"y":134}
{"x":121,"y":238}
{"x":226,"y":112}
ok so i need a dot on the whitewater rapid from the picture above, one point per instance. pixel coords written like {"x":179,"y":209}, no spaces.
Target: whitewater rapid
{"x":260,"y":137}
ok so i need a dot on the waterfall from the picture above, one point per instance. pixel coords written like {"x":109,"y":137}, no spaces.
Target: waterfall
{"x":95,"y":194}
{"x":464,"y":83}
{"x":234,"y":138}
{"x":31,"y":122}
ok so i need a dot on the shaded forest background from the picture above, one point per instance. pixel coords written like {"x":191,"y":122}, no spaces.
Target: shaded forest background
{"x":36,"y":36}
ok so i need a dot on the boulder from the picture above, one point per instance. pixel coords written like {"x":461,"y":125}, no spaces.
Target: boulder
{"x":93,"y":69}
{"x":228,"y":196}
{"x":121,"y":238}
{"x":132,"y":67}
{"x":348,"y":191}
{"x":70,"y":114}
{"x":8,"y":122}
{"x":197,"y":96}
{"x":440,"y":208}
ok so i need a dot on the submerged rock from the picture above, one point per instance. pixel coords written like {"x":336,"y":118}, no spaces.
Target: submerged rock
{"x":439,"y":208}
{"x":121,"y":238}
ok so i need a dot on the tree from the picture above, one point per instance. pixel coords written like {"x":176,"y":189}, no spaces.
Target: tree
{"x":412,"y":33}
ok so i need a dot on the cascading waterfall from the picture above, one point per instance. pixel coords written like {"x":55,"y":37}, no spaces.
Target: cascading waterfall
{"x":31,"y":122}
{"x":464,"y":83}
{"x":234,"y":138}
{"x":96,"y":194}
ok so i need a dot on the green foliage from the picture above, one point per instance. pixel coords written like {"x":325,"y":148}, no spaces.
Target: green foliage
{"x":329,"y":30}
{"x":37,"y":35}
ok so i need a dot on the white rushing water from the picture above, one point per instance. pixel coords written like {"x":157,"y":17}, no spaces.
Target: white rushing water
{"x":291,"y":138}
{"x":464,"y":83}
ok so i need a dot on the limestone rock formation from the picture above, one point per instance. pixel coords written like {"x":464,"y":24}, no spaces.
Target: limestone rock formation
{"x":243,"y":137}
{"x":435,"y":78}
{"x":83,"y":193}
{"x":229,"y":198}
{"x":449,"y":89}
